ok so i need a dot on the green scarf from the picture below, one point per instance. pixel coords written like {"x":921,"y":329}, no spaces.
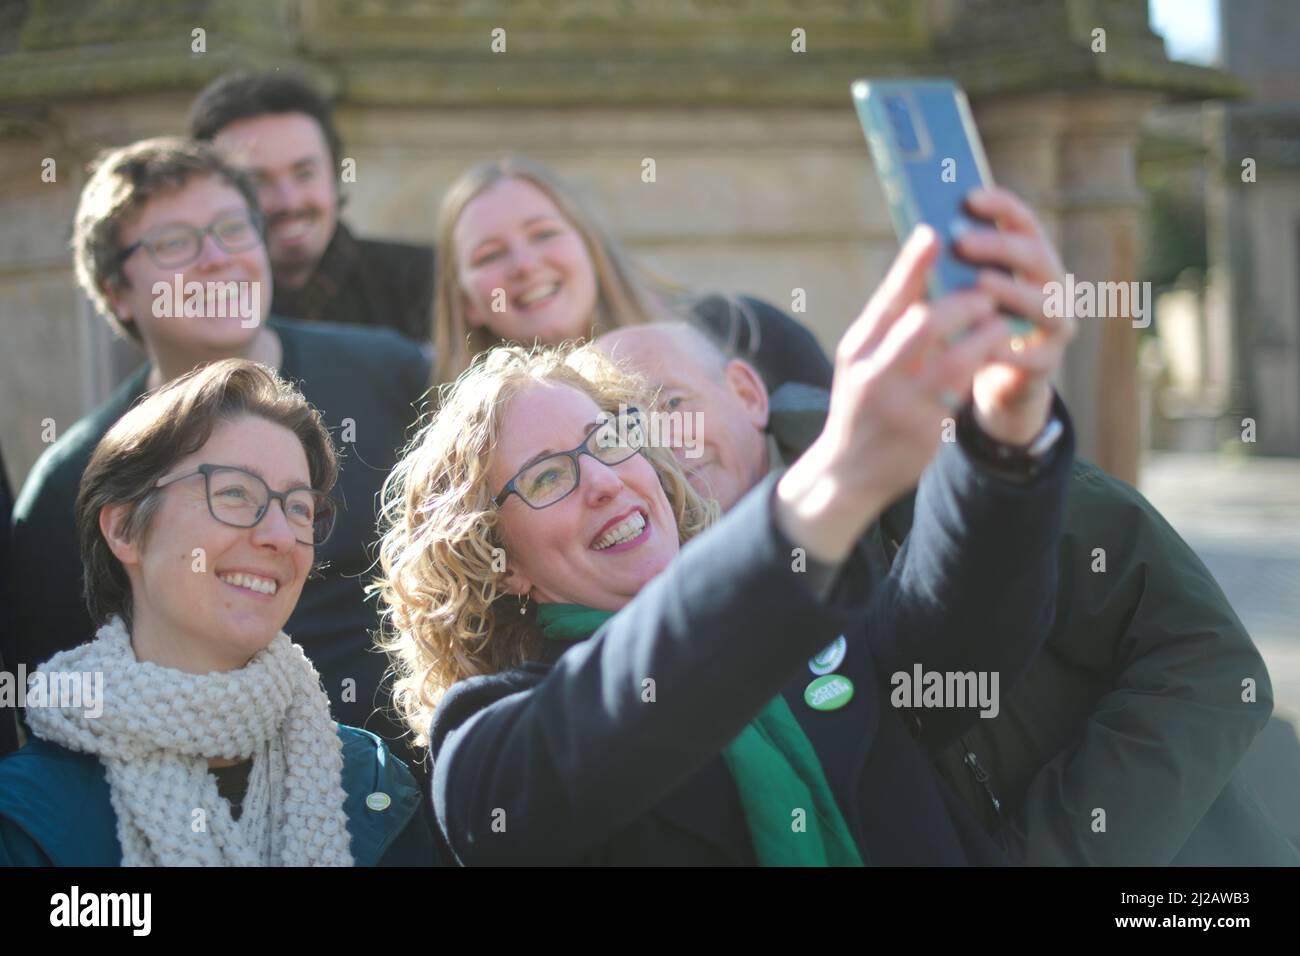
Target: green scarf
{"x":772,"y":762}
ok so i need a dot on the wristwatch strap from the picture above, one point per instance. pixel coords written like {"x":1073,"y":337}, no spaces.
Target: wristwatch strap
{"x":1021,"y":462}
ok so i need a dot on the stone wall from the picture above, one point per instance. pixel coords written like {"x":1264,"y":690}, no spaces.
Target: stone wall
{"x":763,"y":183}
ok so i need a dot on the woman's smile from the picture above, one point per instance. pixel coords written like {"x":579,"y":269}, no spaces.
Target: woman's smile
{"x":254,"y":585}
{"x":607,"y":537}
{"x":623,"y":533}
{"x":537,"y":297}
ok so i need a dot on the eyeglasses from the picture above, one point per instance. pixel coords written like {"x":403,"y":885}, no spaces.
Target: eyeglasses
{"x":545,"y":482}
{"x":241,"y":499}
{"x":175,"y":244}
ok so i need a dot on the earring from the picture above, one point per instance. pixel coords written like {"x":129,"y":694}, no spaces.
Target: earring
{"x":523,"y":608}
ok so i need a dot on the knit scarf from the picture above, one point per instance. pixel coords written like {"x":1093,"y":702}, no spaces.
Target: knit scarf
{"x":773,"y":763}
{"x":160,"y":726}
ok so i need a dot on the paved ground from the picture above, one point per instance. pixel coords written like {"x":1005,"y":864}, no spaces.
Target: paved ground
{"x":1242,"y":516}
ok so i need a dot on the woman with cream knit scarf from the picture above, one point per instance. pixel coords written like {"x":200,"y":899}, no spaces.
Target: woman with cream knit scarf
{"x":200,"y":734}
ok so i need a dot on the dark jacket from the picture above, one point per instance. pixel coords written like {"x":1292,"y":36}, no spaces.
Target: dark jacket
{"x":366,"y":282}
{"x":55,"y":808}
{"x":365,"y":382}
{"x":563,"y":761}
{"x":1133,"y":706}
{"x":779,"y":347}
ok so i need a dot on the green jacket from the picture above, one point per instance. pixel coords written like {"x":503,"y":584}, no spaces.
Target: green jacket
{"x":55,"y":808}
{"x":1137,"y":706}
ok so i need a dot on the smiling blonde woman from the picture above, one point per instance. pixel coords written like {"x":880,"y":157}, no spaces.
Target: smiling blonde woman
{"x":602,"y":677}
{"x":521,"y":259}
{"x":449,"y":612}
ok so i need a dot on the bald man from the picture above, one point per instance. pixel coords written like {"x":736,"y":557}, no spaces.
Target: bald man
{"x":1119,"y":744}
{"x":729,"y":453}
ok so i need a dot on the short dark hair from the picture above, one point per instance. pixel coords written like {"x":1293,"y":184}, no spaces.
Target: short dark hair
{"x":246,"y":94}
{"x":121,"y":183}
{"x":172,"y":422}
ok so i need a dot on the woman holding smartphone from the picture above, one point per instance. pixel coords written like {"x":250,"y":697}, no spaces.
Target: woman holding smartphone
{"x":520,"y":260}
{"x":203,"y":735}
{"x":600,"y":679}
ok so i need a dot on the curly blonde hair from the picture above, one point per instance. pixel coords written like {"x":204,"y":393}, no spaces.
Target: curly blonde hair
{"x":445,"y":611}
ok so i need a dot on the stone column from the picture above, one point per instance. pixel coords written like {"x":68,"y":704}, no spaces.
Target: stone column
{"x":1072,"y":155}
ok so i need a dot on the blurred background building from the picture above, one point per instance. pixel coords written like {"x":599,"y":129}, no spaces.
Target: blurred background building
{"x":762,"y":180}
{"x":1223,"y":244}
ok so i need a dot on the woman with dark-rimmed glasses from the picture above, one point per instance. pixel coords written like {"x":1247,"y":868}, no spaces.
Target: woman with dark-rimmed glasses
{"x":160,"y":224}
{"x":199,"y":733}
{"x":602,"y":678}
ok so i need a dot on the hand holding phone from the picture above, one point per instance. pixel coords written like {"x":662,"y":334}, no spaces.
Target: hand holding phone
{"x":928,"y":155}
{"x":891,"y":391}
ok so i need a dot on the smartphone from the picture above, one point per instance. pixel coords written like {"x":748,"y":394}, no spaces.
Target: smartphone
{"x":928,"y":156}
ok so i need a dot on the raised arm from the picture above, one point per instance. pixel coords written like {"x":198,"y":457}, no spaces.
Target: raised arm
{"x":973,"y":588}
{"x":547,"y":773}
{"x":544,"y":771}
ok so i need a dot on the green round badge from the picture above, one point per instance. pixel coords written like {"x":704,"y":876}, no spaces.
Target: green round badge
{"x":829,"y":693}
{"x":378,"y":801}
{"x":830,"y":657}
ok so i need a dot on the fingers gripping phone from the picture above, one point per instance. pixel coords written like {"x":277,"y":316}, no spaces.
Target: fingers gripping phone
{"x":928,"y":155}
